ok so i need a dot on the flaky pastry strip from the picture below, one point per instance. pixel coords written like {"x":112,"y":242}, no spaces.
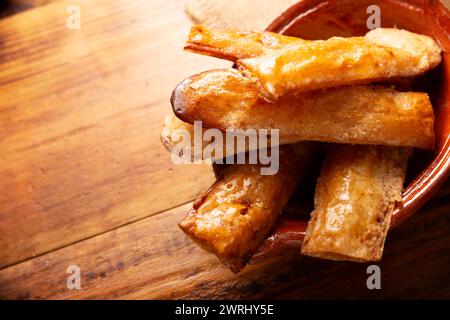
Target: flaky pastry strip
{"x":173,"y":139}
{"x":355,"y":197}
{"x":233,"y":45}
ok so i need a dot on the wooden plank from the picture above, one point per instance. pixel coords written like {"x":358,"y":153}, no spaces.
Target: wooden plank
{"x":152,"y":259}
{"x":80,"y":117}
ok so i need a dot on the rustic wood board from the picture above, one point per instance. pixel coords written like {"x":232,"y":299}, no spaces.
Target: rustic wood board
{"x":80,"y":116}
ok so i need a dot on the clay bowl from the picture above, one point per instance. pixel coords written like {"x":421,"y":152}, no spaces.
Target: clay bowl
{"x":318,"y":19}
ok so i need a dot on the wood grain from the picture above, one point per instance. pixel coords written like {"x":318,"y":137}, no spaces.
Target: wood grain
{"x":80,"y":116}
{"x":152,"y":259}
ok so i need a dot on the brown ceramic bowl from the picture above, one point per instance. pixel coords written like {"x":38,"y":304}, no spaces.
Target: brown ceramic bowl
{"x":318,"y":19}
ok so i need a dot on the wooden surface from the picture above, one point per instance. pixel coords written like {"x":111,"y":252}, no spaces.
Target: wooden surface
{"x":236,"y":13}
{"x":85,"y":181}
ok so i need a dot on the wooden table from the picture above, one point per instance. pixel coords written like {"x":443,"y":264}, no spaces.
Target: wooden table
{"x":85,"y":181}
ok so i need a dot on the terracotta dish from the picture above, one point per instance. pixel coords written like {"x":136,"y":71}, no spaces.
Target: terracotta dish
{"x":318,"y":19}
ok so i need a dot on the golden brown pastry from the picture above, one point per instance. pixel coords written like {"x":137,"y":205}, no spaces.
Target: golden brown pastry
{"x":224,"y":99}
{"x":355,"y":196}
{"x":381,"y":54}
{"x":233,"y":45}
{"x":234,"y":216}
{"x":225,"y":44}
{"x":173,"y":139}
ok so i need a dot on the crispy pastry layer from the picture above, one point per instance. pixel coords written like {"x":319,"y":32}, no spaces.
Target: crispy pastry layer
{"x":233,"y":45}
{"x":224,"y":99}
{"x":236,"y":214}
{"x":173,"y":139}
{"x":172,"y":125}
{"x":355,"y":196}
{"x":380,"y":55}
